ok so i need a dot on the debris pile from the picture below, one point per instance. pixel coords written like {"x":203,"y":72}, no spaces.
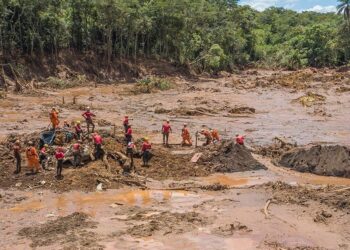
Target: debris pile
{"x":321,"y":160}
{"x":242,"y":110}
{"x":310,"y":99}
{"x":229,"y":157}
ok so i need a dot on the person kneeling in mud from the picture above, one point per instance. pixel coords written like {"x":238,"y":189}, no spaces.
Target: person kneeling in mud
{"x":146,"y":154}
{"x":59,"y":157}
{"x":43,"y":156}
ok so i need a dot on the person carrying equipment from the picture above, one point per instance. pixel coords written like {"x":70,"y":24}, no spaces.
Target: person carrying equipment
{"x":54,"y":118}
{"x":88,"y":118}
{"x":98,"y":146}
{"x":32,"y":158}
{"x":43,"y":157}
{"x":207,"y":136}
{"x":146,"y":154}
{"x":186,"y":137}
{"x":59,"y":157}
{"x":166,"y":130}
{"x":17,"y":154}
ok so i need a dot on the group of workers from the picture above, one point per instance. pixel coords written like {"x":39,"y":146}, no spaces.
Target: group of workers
{"x":36,"y":160}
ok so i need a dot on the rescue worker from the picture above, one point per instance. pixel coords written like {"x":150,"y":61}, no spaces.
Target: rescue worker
{"x":59,"y":157}
{"x":215,"y":135}
{"x":77,"y":154}
{"x":98,"y":146}
{"x":43,"y":156}
{"x":88,"y":118}
{"x":17,"y":154}
{"x":128,"y":134}
{"x":145,"y":150}
{"x":78,"y":130}
{"x":166,"y":130}
{"x":32,"y":158}
{"x":130,"y":150}
{"x":186,"y":137}
{"x":54,"y":118}
{"x":207,"y":136}
{"x":240,"y":139}
{"x":126,"y":123}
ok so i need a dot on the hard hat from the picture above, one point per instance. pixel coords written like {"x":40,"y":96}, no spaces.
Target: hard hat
{"x":46,"y":145}
{"x":65,"y":121}
{"x":237,"y":134}
{"x":80,"y":141}
{"x":146,"y":138}
{"x":185,"y":124}
{"x":78,"y":122}
{"x":30,"y":143}
{"x":17,"y":141}
{"x":87,"y":107}
{"x":168,"y":120}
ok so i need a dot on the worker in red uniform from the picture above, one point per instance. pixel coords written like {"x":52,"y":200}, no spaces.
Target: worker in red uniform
{"x":126,"y":123}
{"x":145,"y":150}
{"x":17,"y":154}
{"x":240,"y":139}
{"x":43,"y":156}
{"x":77,"y":154}
{"x":130,"y":150}
{"x":59,"y":155}
{"x":215,"y":135}
{"x":128,"y":134}
{"x":186,"y":137}
{"x":166,"y":130}
{"x":207,"y":135}
{"x":78,"y":130}
{"x":88,"y":118}
{"x":98,"y":146}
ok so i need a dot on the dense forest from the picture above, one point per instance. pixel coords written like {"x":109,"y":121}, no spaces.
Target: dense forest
{"x":204,"y":34}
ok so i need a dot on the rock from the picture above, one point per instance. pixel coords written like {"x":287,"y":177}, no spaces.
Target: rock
{"x":18,"y":184}
{"x":99,"y":187}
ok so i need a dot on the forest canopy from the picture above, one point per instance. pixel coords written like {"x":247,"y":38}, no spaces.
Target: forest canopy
{"x":207,"y":35}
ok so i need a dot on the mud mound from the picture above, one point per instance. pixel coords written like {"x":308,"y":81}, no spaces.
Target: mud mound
{"x":242,"y":110}
{"x":333,"y":197}
{"x":64,"y":230}
{"x":321,"y":160}
{"x":229,"y":157}
{"x":230,"y":229}
{"x":166,"y":223}
{"x":310,"y":99}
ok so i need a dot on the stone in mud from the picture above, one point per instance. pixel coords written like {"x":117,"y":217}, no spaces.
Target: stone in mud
{"x":321,"y":160}
{"x":229,"y":157}
{"x":242,"y":110}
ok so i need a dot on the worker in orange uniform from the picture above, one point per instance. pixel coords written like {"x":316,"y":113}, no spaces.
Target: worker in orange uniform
{"x":145,"y":150}
{"x":98,"y":145}
{"x":240,"y":139}
{"x":32,"y":158}
{"x":126,"y":123}
{"x":54,"y":118}
{"x":207,"y":136}
{"x":17,"y":154}
{"x":186,"y":137}
{"x":166,"y":130}
{"x":215,"y":135}
{"x":88,"y":118}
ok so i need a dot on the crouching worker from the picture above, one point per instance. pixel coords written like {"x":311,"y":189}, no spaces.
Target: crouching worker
{"x":17,"y":155}
{"x":146,"y":154}
{"x":98,"y":146}
{"x":207,"y":135}
{"x":43,"y":157}
{"x":77,"y":154}
{"x":32,"y":158}
{"x":59,"y":157}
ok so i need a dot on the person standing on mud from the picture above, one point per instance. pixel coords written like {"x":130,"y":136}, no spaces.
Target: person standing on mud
{"x":207,"y":135}
{"x":126,"y":123}
{"x":128,"y":134}
{"x":88,"y":118}
{"x":32,"y":158}
{"x":98,"y":146}
{"x":215,"y":135}
{"x":77,"y":154}
{"x":186,"y":137}
{"x":54,"y":118}
{"x":130,"y":150}
{"x":17,"y":155}
{"x":43,"y":157}
{"x":166,"y":130}
{"x":145,"y":150}
{"x":78,"y":130}
{"x":59,"y":157}
{"x":240,"y":139}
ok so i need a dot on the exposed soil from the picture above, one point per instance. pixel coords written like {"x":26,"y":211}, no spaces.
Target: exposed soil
{"x":228,"y":157}
{"x":68,"y":230}
{"x":321,"y":160}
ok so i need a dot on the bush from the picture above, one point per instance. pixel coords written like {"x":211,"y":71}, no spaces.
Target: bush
{"x":150,"y":84}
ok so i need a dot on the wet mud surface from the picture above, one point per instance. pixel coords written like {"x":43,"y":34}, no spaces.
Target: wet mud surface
{"x":230,"y":198}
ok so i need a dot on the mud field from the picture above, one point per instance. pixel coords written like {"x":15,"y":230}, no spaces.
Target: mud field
{"x":287,"y":188}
